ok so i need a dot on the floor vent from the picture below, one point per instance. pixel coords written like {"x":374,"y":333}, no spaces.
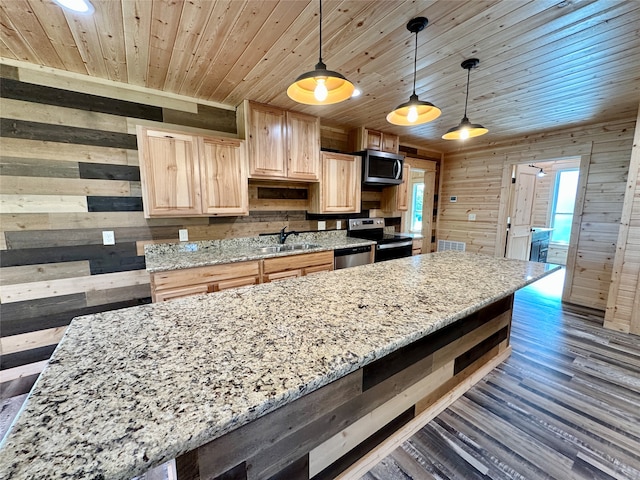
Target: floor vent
{"x":449,"y":245}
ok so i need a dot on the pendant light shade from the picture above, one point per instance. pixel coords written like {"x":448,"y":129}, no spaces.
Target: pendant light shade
{"x":320,"y":86}
{"x":415,"y":111}
{"x":466,"y":129}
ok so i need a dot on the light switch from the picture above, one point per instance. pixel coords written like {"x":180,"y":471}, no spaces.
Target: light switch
{"x":472,"y":217}
{"x":183,"y":233}
{"x":108,"y":237}
{"x":322,"y":225}
{"x":338,"y":224}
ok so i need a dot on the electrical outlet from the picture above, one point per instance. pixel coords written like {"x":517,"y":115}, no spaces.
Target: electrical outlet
{"x":472,"y":217}
{"x":108,"y":237}
{"x":338,"y":224}
{"x":183,"y":233}
{"x":322,"y":225}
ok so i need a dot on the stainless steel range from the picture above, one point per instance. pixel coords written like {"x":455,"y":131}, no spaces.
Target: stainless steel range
{"x":388,"y":246}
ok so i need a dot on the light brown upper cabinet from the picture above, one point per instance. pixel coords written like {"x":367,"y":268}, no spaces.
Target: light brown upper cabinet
{"x":281,"y":144}
{"x":365,"y":139}
{"x":339,"y":187}
{"x":190,"y":175}
{"x":396,"y":198}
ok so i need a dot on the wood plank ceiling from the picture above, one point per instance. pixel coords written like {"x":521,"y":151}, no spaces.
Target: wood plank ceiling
{"x":544,"y":64}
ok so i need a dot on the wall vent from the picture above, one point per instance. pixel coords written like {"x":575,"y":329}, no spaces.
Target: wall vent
{"x":449,"y":245}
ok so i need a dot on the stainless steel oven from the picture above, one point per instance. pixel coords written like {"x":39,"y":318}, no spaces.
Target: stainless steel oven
{"x":388,"y":246}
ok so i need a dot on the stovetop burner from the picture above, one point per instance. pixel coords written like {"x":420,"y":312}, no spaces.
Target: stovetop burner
{"x":372,"y":229}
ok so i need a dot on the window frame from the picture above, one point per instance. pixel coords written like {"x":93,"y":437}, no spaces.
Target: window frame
{"x":554,"y":202}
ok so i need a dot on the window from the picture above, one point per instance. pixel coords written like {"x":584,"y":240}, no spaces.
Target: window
{"x":563,"y":203}
{"x":416,"y":206}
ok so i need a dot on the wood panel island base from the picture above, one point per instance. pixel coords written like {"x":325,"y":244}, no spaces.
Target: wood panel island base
{"x":344,"y":428}
{"x":302,"y":378}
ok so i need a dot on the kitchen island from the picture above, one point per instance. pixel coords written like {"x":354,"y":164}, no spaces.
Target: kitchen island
{"x":292,"y":379}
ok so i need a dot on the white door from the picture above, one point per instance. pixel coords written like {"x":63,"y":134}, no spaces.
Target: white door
{"x":523,"y":194}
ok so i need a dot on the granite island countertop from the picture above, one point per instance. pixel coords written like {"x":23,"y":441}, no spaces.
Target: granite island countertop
{"x":177,"y":256}
{"x":129,"y":389}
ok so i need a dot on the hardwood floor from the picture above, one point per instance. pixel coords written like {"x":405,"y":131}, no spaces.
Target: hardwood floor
{"x":565,"y":405}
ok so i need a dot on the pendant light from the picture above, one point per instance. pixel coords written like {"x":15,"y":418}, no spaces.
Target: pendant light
{"x":466,"y":129}
{"x":320,"y":86}
{"x":541,"y":173}
{"x":415,"y":111}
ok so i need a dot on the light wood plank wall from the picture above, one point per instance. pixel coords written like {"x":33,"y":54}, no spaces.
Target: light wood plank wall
{"x":623,"y":305}
{"x":474,"y":175}
{"x":68,"y":171}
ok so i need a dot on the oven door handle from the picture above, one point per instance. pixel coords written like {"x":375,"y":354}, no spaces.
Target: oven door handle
{"x":394,"y":245}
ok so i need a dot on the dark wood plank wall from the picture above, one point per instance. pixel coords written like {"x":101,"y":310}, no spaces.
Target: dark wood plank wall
{"x":68,"y":171}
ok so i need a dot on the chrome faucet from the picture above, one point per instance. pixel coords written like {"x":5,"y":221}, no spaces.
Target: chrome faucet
{"x":284,"y":235}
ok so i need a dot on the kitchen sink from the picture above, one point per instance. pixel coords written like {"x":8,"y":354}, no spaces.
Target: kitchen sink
{"x":271,"y":249}
{"x":286,"y":248}
{"x":299,"y":246}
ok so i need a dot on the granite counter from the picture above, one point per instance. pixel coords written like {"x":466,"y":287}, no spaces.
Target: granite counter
{"x":129,"y":389}
{"x":177,"y":256}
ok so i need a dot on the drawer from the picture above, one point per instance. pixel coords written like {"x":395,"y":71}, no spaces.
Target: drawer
{"x":291,"y":262}
{"x":200,"y":275}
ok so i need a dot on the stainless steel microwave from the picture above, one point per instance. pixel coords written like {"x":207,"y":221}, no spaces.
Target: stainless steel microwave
{"x":381,"y":168}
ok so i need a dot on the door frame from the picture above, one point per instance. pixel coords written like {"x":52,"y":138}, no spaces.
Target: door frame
{"x":503,"y":209}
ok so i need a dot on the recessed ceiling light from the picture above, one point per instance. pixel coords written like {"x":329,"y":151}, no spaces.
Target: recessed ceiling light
{"x":78,"y":6}
{"x":356,"y":93}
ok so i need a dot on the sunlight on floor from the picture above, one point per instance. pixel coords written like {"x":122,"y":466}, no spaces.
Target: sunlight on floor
{"x":550,"y":286}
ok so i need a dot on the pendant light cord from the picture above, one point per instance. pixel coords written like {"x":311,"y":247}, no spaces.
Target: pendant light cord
{"x":320,"y":49}
{"x":415,"y":63}
{"x":466,"y":99}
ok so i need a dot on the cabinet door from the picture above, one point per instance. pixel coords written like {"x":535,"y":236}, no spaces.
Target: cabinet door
{"x":170,"y":174}
{"x":224,"y":181}
{"x":182,"y":292}
{"x":266,"y":139}
{"x":372,"y":140}
{"x":402,"y":196}
{"x":340,"y":184}
{"x":303,"y":145}
{"x":277,"y":276}
{"x":235,"y":283}
{"x":416,"y":248}
{"x":318,"y":269}
{"x":390,"y":143}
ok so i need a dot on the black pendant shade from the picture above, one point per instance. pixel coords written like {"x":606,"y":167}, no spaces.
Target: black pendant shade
{"x":320,"y":86}
{"x":465,"y":129}
{"x":415,"y":111}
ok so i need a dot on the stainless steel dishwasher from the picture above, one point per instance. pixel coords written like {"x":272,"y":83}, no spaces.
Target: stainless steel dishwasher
{"x":351,"y":257}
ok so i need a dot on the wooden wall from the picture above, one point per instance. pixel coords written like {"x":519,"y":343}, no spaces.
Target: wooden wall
{"x":68,"y":171}
{"x":545,"y":189}
{"x":475,"y":176}
{"x":623,"y":306}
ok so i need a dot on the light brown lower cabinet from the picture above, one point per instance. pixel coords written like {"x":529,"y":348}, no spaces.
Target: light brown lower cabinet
{"x":416,"y":248}
{"x":171,"y":293}
{"x":216,"y":278}
{"x":290,"y":266}
{"x":277,"y":276}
